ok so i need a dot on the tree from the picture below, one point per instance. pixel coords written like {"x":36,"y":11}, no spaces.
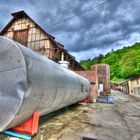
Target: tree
{"x":130,"y":64}
{"x":124,"y":63}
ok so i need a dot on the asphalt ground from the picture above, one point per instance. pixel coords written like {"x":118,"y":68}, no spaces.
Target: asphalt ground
{"x":94,"y":121}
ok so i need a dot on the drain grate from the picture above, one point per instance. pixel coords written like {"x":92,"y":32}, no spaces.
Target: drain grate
{"x":86,"y":138}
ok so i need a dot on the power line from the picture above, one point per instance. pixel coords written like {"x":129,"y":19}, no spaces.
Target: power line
{"x":138,"y":2}
{"x":78,"y":13}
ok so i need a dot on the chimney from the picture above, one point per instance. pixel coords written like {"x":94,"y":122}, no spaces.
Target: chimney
{"x":62,"y":62}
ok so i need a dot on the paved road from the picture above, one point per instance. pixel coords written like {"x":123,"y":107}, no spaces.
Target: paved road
{"x":120,"y":121}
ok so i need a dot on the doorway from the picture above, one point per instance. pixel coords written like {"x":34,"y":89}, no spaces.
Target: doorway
{"x":21,"y":36}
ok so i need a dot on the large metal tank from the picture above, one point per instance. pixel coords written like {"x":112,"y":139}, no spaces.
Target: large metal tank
{"x":30,"y":82}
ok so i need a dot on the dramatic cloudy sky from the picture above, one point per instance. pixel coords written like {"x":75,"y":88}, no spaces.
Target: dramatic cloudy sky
{"x":87,"y":28}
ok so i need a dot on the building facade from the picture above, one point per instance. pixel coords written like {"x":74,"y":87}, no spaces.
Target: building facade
{"x":93,"y":78}
{"x":103,"y":73}
{"x":26,"y":31}
{"x":131,"y":86}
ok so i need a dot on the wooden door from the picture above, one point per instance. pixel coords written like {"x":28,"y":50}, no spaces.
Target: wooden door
{"x":21,"y":36}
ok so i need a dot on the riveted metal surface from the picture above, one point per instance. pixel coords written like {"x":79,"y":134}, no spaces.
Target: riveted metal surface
{"x":30,"y":82}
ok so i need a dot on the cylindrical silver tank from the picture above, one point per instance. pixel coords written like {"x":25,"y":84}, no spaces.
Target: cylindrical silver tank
{"x":30,"y":82}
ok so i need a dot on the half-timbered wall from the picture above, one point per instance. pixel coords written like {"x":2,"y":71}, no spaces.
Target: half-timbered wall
{"x":27,"y":32}
{"x":37,"y":40}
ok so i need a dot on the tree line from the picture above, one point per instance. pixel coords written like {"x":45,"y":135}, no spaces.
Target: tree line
{"x":124,"y":63}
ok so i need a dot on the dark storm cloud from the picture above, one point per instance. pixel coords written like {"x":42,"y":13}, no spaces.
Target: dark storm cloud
{"x":112,"y":25}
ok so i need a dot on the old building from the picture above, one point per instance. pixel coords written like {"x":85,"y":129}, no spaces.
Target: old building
{"x":26,"y":31}
{"x":116,"y":86}
{"x":93,"y":78}
{"x":103,"y":72}
{"x":131,"y":86}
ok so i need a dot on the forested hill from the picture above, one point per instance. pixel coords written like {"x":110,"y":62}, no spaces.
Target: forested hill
{"x":124,"y":63}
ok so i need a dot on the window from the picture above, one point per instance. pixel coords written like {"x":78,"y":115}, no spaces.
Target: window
{"x":137,"y":81}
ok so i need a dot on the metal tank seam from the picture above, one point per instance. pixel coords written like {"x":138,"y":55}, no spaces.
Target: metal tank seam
{"x":11,"y":69}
